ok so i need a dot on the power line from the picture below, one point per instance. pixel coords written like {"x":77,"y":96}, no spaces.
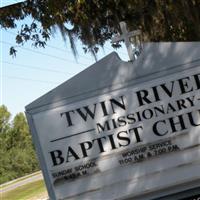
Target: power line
{"x":63,"y":50}
{"x":19,"y":1}
{"x":45,"y":54}
{"x":46,"y":45}
{"x":66,"y":50}
{"x":83,"y":55}
{"x":27,"y":79}
{"x":59,"y":49}
{"x":36,"y":68}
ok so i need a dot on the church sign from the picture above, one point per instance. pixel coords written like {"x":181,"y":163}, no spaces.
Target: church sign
{"x":101,"y":140}
{"x":100,"y":126}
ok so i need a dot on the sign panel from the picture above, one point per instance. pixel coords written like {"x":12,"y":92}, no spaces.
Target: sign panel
{"x":113,"y":132}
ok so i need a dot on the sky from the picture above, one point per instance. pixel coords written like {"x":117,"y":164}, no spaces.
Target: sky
{"x":35,"y":71}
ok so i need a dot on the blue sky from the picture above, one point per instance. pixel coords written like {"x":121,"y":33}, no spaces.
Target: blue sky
{"x":34,"y":72}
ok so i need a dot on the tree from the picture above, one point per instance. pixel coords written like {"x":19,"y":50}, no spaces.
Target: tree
{"x":17,"y":155}
{"x":4,"y":119}
{"x":20,"y":131}
{"x":95,"y":21}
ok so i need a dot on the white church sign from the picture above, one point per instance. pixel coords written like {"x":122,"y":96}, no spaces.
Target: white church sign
{"x":121,"y":133}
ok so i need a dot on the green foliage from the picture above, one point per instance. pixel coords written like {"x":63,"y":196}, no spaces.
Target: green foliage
{"x":28,"y":191}
{"x":94,"y":22}
{"x":17,"y":155}
{"x":4,"y":119}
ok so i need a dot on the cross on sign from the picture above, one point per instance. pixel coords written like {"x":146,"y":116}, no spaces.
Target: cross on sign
{"x":126,"y":37}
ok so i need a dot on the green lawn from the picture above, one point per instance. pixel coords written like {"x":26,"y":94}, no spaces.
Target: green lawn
{"x":25,"y":192}
{"x":19,"y":179}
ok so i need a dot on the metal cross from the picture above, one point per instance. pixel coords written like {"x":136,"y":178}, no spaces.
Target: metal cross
{"x":126,"y":38}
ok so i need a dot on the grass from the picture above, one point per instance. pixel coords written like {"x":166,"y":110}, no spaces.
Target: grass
{"x":18,"y":179}
{"x":25,"y":192}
